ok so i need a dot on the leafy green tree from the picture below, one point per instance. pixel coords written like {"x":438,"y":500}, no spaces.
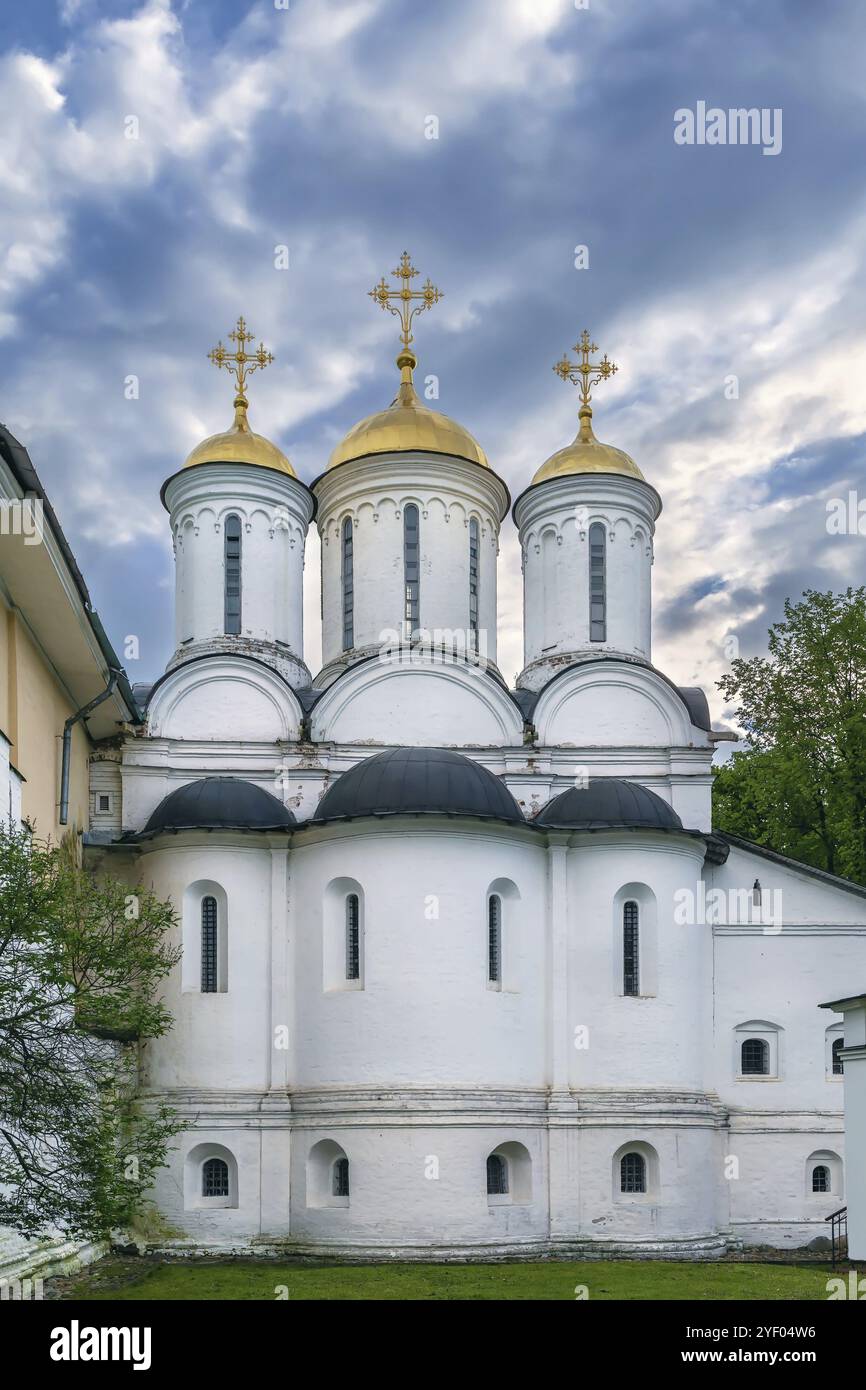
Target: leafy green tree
{"x":80,"y":962}
{"x":800,"y":783}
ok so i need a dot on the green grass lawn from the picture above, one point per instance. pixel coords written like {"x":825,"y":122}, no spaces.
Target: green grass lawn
{"x":249,"y":1279}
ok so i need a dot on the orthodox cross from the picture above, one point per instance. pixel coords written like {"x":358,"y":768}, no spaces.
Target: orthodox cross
{"x":585,"y":374}
{"x":240,"y":363}
{"x":406,"y":303}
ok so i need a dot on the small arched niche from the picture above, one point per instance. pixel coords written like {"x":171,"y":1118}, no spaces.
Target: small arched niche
{"x":509,"y":1175}
{"x":210,"y":1177}
{"x":328,"y":1175}
{"x":635,"y":1172}
{"x":501,"y":919}
{"x":205,"y":921}
{"x":635,"y":917}
{"x":824,"y":1176}
{"x":343,"y":930}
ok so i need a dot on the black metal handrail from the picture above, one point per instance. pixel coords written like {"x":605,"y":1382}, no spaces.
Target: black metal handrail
{"x":838,"y":1234}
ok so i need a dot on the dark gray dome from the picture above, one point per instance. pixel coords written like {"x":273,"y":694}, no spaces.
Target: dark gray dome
{"x":219,"y":803}
{"x":608,"y":803}
{"x":418,"y":781}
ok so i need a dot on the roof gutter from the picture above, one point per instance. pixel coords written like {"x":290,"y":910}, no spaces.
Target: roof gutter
{"x":67,"y":740}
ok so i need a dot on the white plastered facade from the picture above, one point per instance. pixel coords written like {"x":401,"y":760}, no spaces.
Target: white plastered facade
{"x":417,"y":1071}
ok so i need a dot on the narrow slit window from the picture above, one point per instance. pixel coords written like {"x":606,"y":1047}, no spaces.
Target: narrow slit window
{"x":411,"y":569}
{"x":215,"y":1178}
{"x":353,"y":937}
{"x":494,"y":940}
{"x":497,"y":1176}
{"x":233,"y":575}
{"x":340,"y":1181}
{"x":348,"y":577}
{"x":632,"y":1173}
{"x":473,"y":583}
{"x":209,"y":946}
{"x":630,"y":949}
{"x":597,"y":583}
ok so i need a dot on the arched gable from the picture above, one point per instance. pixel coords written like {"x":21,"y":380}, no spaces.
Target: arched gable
{"x":224,"y":698}
{"x":415,"y":703}
{"x":613,"y":704}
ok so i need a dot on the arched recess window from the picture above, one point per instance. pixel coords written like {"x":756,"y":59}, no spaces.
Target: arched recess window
{"x":838,"y":1064}
{"x":597,"y":584}
{"x":497,"y":1175}
{"x":340,"y":1178}
{"x":327,"y":1175}
{"x":755,"y":1057}
{"x":353,"y":939}
{"x":632,"y":1173}
{"x":233,"y":575}
{"x":411,"y":569}
{"x":348,"y":583}
{"x":215,"y":1178}
{"x":630,"y":949}
{"x":821,"y":1178}
{"x":209,"y":946}
{"x":494,"y":939}
{"x":473,"y":583}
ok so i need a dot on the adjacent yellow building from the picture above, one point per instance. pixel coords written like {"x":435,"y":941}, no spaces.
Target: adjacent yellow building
{"x":55,"y":661}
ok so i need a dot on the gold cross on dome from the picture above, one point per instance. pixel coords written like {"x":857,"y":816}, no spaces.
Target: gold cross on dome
{"x":406,"y":303}
{"x":585,"y":374}
{"x":240,"y":363}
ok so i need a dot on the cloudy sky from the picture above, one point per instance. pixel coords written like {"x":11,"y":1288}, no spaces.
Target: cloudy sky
{"x":306,"y":126}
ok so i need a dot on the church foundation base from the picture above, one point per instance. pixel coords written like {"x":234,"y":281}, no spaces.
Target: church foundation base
{"x":698,"y":1249}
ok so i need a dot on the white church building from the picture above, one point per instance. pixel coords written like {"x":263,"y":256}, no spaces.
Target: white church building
{"x":466,"y":972}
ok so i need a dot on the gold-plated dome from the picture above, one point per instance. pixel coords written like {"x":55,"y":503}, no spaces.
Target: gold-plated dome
{"x":587,"y":455}
{"x":407,"y":424}
{"x":240,"y":445}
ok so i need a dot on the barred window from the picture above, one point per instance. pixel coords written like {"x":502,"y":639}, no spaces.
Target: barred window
{"x":215,"y":1178}
{"x":597,"y":584}
{"x":755,"y":1057}
{"x":838,"y":1064}
{"x":340,"y":1180}
{"x":209,"y":946}
{"x":348,"y":580}
{"x":232,"y":624}
{"x":473,"y":582}
{"x":497,"y":1175}
{"x":411,"y":568}
{"x":821,"y":1178}
{"x":632,"y":1173}
{"x":630,"y":949}
{"x":353,"y":937}
{"x":494,"y":939}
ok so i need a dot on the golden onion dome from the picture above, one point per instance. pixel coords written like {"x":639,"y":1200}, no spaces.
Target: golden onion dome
{"x":407,"y":425}
{"x":240,"y":445}
{"x":587,"y":455}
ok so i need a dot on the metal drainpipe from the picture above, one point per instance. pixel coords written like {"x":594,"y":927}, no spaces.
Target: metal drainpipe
{"x":67,"y":741}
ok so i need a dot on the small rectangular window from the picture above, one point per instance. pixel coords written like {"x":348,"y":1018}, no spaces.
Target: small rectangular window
{"x":103,"y":802}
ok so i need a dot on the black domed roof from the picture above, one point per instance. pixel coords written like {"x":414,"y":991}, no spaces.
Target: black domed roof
{"x":219,"y":803}
{"x":608,"y":803}
{"x":413,"y":781}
